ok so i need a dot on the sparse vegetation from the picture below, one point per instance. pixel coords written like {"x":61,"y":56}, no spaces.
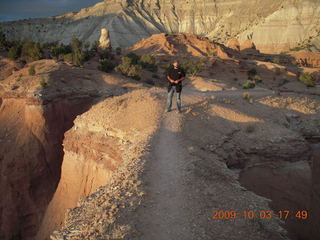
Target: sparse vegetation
{"x":32,"y":70}
{"x":31,"y":50}
{"x":57,"y":52}
{"x":250,"y":128}
{"x":14,"y":52}
{"x":307,"y":79}
{"x":78,"y":56}
{"x":257,"y":79}
{"x":86,"y":45}
{"x":129,"y":66}
{"x":106,"y":54}
{"x":43,"y":84}
{"x":276,"y":60}
{"x":3,"y":41}
{"x":248,"y":84}
{"x":105,"y":65}
{"x":148,"y":62}
{"x":247,"y":96}
{"x":68,"y":58}
{"x":252,"y":72}
{"x":118,"y":50}
{"x":95,"y":46}
{"x":193,"y":67}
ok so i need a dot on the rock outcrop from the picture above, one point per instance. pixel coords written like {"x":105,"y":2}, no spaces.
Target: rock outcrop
{"x":104,"y":142}
{"x":234,"y":44}
{"x":104,"y":40}
{"x":264,"y":22}
{"x":180,"y":45}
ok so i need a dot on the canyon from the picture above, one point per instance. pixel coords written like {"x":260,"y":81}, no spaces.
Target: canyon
{"x":92,"y":155}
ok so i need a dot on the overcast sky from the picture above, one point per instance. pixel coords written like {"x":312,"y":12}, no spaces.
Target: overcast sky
{"x":21,"y":9}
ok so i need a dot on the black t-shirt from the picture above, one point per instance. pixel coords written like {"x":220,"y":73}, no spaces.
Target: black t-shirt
{"x":176,"y":74}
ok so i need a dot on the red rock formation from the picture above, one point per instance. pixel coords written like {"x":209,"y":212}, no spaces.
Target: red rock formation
{"x":234,"y":44}
{"x":307,"y":59}
{"x":31,"y":153}
{"x":248,"y":44}
{"x":179,"y":45}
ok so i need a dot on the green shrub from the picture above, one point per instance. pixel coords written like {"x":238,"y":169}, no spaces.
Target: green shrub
{"x":105,"y":65}
{"x":57,"y":52}
{"x":118,"y":50}
{"x":76,"y":44}
{"x":106,"y":54}
{"x":276,"y":60}
{"x":68,"y":57}
{"x":95,"y":46}
{"x":252,"y":72}
{"x":134,"y":58}
{"x":147,"y":59}
{"x":14,"y":52}
{"x":247,"y":96}
{"x":43,"y":84}
{"x":193,"y":67}
{"x":248,"y":85}
{"x":32,"y":70}
{"x":31,"y":50}
{"x":78,"y":56}
{"x":257,"y":79}
{"x":307,"y":79}
{"x":86,"y":45}
{"x":129,"y":67}
{"x":148,"y":62}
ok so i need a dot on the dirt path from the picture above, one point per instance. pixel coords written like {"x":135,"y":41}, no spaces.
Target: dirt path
{"x":173,"y":209}
{"x":164,"y":214}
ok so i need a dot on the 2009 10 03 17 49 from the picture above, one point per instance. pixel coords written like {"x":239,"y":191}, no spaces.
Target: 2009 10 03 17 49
{"x":262,"y":214}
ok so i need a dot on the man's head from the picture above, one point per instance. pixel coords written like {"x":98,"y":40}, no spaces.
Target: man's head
{"x":175,"y":64}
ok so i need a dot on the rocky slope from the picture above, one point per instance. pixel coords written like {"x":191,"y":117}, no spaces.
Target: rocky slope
{"x":104,"y":140}
{"x":274,"y":26}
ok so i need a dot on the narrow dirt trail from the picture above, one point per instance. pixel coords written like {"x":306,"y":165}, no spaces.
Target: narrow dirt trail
{"x":164,"y":214}
{"x":170,"y":210}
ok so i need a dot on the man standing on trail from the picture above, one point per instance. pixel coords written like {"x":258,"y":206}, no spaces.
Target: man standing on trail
{"x":175,"y":77}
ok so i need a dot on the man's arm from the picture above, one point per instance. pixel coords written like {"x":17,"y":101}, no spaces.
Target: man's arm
{"x":180,"y":79}
{"x":171,"y":80}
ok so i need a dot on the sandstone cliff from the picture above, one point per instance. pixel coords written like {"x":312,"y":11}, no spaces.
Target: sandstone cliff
{"x":104,"y":146}
{"x":33,"y":119}
{"x":274,"y":26}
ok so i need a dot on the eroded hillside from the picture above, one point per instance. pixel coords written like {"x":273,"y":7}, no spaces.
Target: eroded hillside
{"x":273,"y":25}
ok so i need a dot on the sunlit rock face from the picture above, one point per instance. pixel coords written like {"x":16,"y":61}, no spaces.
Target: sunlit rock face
{"x":273,"y":25}
{"x":104,"y":40}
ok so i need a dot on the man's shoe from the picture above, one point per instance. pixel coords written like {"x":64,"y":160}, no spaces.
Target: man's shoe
{"x":179,"y":111}
{"x":168,"y":110}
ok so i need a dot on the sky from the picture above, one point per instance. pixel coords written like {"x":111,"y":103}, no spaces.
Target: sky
{"x":23,"y":9}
